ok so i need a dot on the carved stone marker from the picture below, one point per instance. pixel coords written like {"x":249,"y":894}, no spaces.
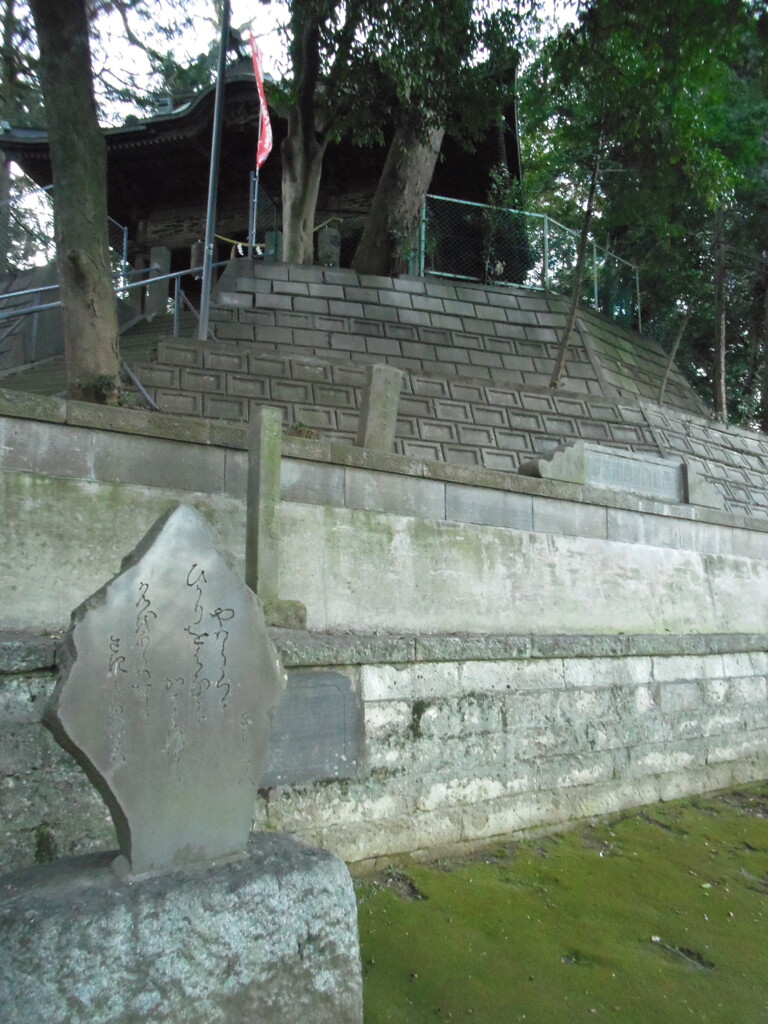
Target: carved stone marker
{"x":378,"y":407}
{"x":166,"y":688}
{"x":648,"y":476}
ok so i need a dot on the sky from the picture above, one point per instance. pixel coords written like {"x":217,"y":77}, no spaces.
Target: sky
{"x":262,"y":15}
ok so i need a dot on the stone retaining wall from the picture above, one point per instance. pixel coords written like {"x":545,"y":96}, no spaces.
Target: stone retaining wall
{"x":369,"y":540}
{"x":506,"y":334}
{"x":445,"y":738}
{"x":465,"y":739}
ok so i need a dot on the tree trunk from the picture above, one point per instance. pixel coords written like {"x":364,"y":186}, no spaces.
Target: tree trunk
{"x":5,"y":215}
{"x":78,"y":159}
{"x":390,"y":230}
{"x":581,"y":253}
{"x":721,"y":408}
{"x":302,"y":158}
{"x":8,"y":112}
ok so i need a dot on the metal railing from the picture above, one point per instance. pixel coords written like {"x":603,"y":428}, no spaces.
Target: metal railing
{"x":178,"y":300}
{"x":495,"y":245}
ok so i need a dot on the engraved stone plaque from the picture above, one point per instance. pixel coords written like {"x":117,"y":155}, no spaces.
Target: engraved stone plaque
{"x":647,"y":475}
{"x":166,"y":688}
{"x":317,"y":730}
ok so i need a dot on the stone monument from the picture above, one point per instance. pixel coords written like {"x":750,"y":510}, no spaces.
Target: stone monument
{"x":167,"y":685}
{"x":669,"y":480}
{"x":167,"y":682}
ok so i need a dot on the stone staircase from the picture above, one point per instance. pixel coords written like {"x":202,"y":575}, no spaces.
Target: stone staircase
{"x":476,"y":363}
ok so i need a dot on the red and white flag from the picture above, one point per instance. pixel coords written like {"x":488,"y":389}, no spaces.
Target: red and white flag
{"x":265,"y":128}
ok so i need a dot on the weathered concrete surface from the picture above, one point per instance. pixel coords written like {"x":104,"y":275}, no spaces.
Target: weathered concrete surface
{"x":271,"y":938}
{"x":50,"y":563}
{"x":464,"y":738}
{"x":360,"y":570}
{"x":115,"y":481}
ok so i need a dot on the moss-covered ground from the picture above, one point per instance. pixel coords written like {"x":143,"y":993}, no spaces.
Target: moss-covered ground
{"x":656,"y":916}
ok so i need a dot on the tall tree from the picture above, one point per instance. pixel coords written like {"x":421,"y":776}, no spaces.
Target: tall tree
{"x":78,"y":158}
{"x":326,"y":52}
{"x":20,"y":104}
{"x":665,"y":83}
{"x":363,"y":65}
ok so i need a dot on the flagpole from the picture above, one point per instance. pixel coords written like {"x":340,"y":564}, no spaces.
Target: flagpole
{"x":213,"y":177}
{"x":256,"y":190}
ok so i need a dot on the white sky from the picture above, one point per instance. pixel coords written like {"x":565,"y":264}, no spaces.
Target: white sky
{"x":263,"y":17}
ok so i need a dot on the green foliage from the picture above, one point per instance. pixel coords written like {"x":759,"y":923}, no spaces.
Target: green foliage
{"x":20,"y":101}
{"x":367,"y":61}
{"x":671,"y":96}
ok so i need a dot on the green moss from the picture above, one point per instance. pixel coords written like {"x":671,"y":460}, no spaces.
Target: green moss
{"x":418,"y":709}
{"x":660,"y":916}
{"x":46,"y":847}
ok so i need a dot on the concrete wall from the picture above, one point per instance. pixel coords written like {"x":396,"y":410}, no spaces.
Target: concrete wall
{"x":369,"y":541}
{"x":472,"y":738}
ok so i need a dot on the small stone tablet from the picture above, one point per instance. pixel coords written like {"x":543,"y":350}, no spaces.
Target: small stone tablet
{"x":165,"y":693}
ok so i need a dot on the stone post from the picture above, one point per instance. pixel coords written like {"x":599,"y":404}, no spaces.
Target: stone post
{"x":329,"y":246}
{"x":157,"y":294}
{"x":262,"y":530}
{"x":378,"y":409}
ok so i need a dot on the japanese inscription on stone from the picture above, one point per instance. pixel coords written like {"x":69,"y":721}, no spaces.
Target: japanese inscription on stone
{"x":165,"y":695}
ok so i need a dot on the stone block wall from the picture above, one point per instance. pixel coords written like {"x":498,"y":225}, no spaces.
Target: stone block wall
{"x":476,"y":364}
{"x":475,"y":738}
{"x":507,"y":334}
{"x":458,"y":420}
{"x":465,"y":738}
{"x":48,"y":808}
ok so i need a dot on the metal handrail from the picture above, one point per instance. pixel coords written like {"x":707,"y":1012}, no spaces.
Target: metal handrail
{"x":9,"y":314}
{"x":29,"y":291}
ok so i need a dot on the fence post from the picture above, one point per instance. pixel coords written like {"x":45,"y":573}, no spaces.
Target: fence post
{"x":252,"y":214}
{"x":125,"y":257}
{"x":545,"y":269}
{"x":262,"y":537}
{"x":176,"y":301}
{"x":35,"y":326}
{"x":639,"y":314}
{"x":423,"y":239}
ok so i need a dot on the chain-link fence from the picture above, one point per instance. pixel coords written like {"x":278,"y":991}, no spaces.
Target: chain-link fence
{"x":494,"y":245}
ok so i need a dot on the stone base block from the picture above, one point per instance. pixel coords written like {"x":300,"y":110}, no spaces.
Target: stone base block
{"x":271,"y":937}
